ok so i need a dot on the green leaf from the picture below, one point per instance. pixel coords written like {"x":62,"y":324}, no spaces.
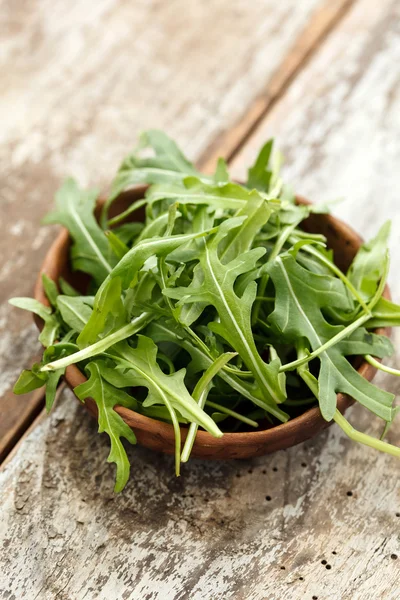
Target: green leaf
{"x":50,"y":289}
{"x":163,"y":389}
{"x":200,"y":394}
{"x":385,"y":314}
{"x":259,"y":177}
{"x":363,"y":342}
{"x":167,"y":165}
{"x":154,"y":228}
{"x":300,"y":296}
{"x":134,"y":260}
{"x":367,"y":266}
{"x":106,"y":397}
{"x":136,"y":205}
{"x":51,"y":387}
{"x":107,"y":300}
{"x":108,"y":307}
{"x":75,"y":208}
{"x":29,"y":381}
{"x":100,"y":347}
{"x":128,"y":231}
{"x":74,"y":311}
{"x":118,"y":247}
{"x":239,"y":240}
{"x":221,"y":174}
{"x":162,"y":331}
{"x":51,"y":324}
{"x":67,"y":288}
{"x":32,"y":305}
{"x":217,"y":289}
{"x":192,"y":190}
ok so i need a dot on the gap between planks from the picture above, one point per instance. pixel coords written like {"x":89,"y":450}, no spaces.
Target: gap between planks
{"x":228,"y":144}
{"x":322,"y":23}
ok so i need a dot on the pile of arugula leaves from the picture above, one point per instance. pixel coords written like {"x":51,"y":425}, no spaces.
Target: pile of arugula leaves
{"x":216,"y":311}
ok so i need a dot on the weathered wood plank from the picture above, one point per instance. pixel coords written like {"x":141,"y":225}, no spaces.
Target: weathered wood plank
{"x":320,"y":25}
{"x":80,"y":81}
{"x":212,"y":534}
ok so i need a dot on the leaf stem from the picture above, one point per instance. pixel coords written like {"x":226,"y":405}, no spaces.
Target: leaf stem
{"x":191,"y":436}
{"x":378,"y":365}
{"x":200,"y":394}
{"x":177,"y":435}
{"x":336,"y":338}
{"x":231,"y":413}
{"x":364,"y":438}
{"x":280,"y":242}
{"x":343,"y":423}
{"x":311,"y":250}
{"x":132,"y":208}
{"x":265,"y":298}
{"x":102,"y":345}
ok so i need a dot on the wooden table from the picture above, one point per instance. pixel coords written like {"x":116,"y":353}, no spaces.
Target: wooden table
{"x":80,"y":80}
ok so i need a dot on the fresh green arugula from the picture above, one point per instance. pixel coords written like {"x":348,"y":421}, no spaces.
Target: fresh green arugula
{"x":217,"y":311}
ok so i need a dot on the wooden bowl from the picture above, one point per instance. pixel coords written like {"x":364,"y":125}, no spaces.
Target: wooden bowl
{"x":160,"y":436}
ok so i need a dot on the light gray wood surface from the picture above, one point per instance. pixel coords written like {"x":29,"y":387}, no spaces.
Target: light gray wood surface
{"x":212,"y":534}
{"x":81,"y":80}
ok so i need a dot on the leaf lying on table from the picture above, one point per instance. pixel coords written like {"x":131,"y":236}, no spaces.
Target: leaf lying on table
{"x":217,"y":311}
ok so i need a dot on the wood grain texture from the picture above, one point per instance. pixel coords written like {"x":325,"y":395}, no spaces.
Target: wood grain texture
{"x":324,"y":19}
{"x":80,"y":81}
{"x":213,"y":534}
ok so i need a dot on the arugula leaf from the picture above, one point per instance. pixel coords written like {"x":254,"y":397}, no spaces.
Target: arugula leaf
{"x":163,"y":389}
{"x":221,"y":174}
{"x":161,"y":331}
{"x":217,"y":272}
{"x":385,"y":314}
{"x":107,"y":307}
{"x":100,"y":347}
{"x":239,"y":240}
{"x":192,"y":190}
{"x":108,"y":299}
{"x":51,"y":324}
{"x":128,"y":232}
{"x":29,"y":381}
{"x":67,"y":288}
{"x":259,"y":177}
{"x":366,"y":268}
{"x":363,"y":342}
{"x":50,"y":289}
{"x":234,"y":313}
{"x":130,"y":264}
{"x":75,"y":207}
{"x":117,"y":246}
{"x":106,"y":397}
{"x":300,"y":296}
{"x":74,"y":311}
{"x":167,"y":165}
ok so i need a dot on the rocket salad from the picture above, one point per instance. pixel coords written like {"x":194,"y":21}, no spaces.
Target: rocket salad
{"x":216,"y":311}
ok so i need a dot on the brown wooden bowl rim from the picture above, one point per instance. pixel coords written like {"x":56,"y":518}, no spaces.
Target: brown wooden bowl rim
{"x":310,"y":419}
